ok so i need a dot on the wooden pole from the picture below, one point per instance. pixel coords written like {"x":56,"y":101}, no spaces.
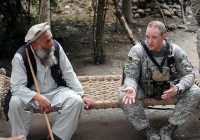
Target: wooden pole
{"x":182,"y":10}
{"x":155,"y":1}
{"x":38,"y":91}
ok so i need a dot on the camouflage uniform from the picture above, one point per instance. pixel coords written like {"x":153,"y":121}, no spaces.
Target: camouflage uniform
{"x":196,"y":11}
{"x":135,"y":69}
{"x":198,"y":46}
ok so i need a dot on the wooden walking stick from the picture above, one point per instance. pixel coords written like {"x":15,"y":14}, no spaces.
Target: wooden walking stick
{"x":38,"y":91}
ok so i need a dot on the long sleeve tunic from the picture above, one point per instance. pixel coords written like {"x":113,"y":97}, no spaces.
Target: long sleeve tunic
{"x":45,"y":81}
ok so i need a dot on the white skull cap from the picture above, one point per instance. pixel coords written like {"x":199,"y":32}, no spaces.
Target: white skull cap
{"x":36,"y":31}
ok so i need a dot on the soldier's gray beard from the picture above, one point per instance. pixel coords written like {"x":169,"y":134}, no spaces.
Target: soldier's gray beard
{"x":47,"y":56}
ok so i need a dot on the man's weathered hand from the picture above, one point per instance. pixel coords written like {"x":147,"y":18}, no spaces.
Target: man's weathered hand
{"x":172,"y":91}
{"x":130,"y":95}
{"x":88,"y":103}
{"x":20,"y":137}
{"x":44,"y":103}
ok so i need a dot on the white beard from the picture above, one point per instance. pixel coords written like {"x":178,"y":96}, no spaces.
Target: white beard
{"x":47,"y":56}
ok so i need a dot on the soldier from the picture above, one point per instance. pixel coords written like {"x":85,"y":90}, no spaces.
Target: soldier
{"x":158,"y":68}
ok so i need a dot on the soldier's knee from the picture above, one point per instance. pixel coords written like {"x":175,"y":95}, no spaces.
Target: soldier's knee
{"x":121,"y":95}
{"x":195,"y":92}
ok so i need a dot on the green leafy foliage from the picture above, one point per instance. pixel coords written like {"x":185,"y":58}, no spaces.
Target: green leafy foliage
{"x":15,"y":20}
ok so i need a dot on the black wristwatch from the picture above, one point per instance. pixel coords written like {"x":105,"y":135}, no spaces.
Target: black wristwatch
{"x":179,"y":91}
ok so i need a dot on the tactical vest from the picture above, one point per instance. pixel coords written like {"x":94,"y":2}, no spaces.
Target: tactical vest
{"x":156,"y":71}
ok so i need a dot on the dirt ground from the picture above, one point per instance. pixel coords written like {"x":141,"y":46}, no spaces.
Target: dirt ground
{"x":111,"y":124}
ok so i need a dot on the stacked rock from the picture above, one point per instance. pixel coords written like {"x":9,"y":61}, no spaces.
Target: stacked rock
{"x":142,"y":8}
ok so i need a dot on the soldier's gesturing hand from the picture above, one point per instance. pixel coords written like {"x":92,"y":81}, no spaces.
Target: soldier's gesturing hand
{"x":129,"y":96}
{"x":172,"y":91}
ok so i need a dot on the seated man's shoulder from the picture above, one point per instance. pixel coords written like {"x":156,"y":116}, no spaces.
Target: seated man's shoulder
{"x":137,"y":49}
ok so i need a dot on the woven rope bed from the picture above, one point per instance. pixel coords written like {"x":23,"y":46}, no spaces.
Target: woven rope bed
{"x":102,"y":89}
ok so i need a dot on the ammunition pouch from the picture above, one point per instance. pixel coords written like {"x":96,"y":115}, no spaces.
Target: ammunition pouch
{"x":157,"y":83}
{"x":164,"y":76}
{"x":161,"y":81}
{"x":154,"y":89}
{"x":159,"y":87}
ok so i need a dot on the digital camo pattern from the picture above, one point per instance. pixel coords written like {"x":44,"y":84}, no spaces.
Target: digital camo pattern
{"x":187,"y":103}
{"x":198,"y":46}
{"x":135,"y":71}
{"x":135,"y":112}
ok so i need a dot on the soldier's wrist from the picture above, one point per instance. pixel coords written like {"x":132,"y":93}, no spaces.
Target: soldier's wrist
{"x":179,"y":91}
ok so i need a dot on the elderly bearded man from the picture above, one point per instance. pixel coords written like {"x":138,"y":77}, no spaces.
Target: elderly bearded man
{"x":64,"y":92}
{"x":157,"y":68}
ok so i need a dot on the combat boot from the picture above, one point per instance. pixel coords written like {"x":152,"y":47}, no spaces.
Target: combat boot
{"x":167,"y":132}
{"x":151,"y":133}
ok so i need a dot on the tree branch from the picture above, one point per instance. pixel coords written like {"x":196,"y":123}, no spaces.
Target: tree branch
{"x":124,"y":24}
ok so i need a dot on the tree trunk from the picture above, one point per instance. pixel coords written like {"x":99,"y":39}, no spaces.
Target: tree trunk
{"x":99,"y":43}
{"x":125,"y":26}
{"x":127,"y":10}
{"x":45,"y":12}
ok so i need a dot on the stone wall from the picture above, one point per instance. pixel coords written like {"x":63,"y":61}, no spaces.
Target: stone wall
{"x":170,"y":8}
